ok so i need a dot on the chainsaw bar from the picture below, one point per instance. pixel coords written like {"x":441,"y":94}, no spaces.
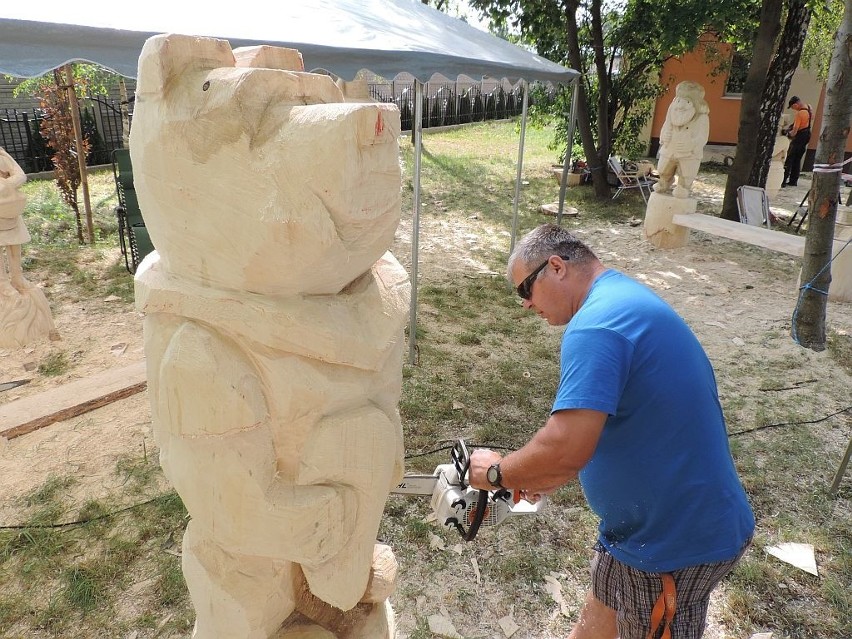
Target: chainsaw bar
{"x":416,"y":485}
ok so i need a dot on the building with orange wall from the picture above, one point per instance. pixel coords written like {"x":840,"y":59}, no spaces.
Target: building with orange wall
{"x":724,"y":99}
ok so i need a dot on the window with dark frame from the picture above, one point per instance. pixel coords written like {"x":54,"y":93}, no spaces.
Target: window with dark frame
{"x":737,"y":74}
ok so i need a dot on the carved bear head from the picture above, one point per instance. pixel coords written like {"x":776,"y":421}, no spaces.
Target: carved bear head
{"x":254,"y":175}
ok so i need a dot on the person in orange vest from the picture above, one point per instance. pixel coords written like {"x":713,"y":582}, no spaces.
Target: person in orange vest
{"x":799,"y":134}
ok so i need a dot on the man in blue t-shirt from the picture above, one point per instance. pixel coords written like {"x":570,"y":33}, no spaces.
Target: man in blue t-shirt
{"x":637,"y":418}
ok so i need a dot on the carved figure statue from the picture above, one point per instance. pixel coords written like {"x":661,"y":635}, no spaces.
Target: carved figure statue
{"x":682,"y":139}
{"x":24,"y":312}
{"x":13,"y":231}
{"x":273,"y":334}
{"x":779,"y":157}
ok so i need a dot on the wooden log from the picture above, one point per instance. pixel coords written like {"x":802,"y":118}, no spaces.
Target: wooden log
{"x":382,"y":575}
{"x":25,"y":415}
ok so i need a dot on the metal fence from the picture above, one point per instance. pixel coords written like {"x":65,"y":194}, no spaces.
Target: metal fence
{"x":21,"y":133}
{"x":450,"y":103}
{"x":444,"y":104}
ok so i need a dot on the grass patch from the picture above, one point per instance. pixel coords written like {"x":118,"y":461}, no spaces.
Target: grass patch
{"x":54,"y":256}
{"x":54,"y":364}
{"x":70,"y":580}
{"x":839,"y":347}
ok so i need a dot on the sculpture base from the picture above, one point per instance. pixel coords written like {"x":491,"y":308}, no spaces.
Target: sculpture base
{"x":659,"y":229}
{"x":24,"y":316}
{"x":379,"y":623}
{"x":774,"y":179}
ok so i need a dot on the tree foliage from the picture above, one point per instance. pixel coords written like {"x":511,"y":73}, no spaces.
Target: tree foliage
{"x":825,"y":20}
{"x":89,"y":79}
{"x":58,"y":129}
{"x":57,"y":126}
{"x":619,"y":47}
{"x":440,"y":5}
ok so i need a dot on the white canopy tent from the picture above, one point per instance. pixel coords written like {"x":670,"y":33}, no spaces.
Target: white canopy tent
{"x":342,"y":37}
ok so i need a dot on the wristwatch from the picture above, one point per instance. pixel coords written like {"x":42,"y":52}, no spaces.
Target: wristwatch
{"x":494,"y":476}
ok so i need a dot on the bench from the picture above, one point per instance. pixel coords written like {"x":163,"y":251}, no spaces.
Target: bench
{"x":774,"y":240}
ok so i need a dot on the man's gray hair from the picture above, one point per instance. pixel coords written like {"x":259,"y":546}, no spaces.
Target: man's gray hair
{"x":546,"y":240}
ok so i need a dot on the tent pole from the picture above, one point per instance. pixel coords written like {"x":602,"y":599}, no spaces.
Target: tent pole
{"x":567,"y":164}
{"x":417,"y":125}
{"x":525,"y":89}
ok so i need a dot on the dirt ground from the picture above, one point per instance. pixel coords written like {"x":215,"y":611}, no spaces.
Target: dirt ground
{"x":737,"y":299}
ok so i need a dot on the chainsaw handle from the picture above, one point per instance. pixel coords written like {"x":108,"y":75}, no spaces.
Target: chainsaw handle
{"x":478,"y":515}
{"x":461,"y":460}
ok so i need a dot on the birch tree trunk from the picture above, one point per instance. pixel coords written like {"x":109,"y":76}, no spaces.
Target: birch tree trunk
{"x":781,"y":70}
{"x":770,"y":24}
{"x":809,"y":319}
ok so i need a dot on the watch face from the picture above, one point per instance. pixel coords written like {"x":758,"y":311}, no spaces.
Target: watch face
{"x":493,"y":475}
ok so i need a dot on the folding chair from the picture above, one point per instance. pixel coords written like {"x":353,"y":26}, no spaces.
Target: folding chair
{"x":133,"y":237}
{"x":753,"y":206}
{"x":803,"y":210}
{"x":630,"y":179}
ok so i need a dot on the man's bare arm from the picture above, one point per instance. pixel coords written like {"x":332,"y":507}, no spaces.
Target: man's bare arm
{"x":552,"y":458}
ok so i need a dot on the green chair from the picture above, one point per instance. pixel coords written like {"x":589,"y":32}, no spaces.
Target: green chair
{"x":132,"y":235}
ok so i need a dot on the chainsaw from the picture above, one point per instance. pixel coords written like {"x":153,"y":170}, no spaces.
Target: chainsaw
{"x":458,"y":505}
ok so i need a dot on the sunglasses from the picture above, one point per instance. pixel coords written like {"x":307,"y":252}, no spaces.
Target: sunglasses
{"x":525,"y":287}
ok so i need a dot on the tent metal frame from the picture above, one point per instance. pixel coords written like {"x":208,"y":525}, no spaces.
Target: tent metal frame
{"x":415,"y":232}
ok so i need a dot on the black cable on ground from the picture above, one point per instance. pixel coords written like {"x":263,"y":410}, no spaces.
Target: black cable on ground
{"x":69,"y":524}
{"x":765,"y":426}
{"x":450,"y":446}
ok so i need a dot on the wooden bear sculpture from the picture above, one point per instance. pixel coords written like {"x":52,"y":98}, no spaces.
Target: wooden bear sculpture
{"x":273,"y":333}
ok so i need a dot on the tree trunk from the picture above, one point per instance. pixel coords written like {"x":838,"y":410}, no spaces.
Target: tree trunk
{"x":809,"y":320}
{"x":584,"y":126}
{"x":81,"y":150}
{"x":784,"y":65}
{"x":770,"y":24}
{"x":604,"y":88}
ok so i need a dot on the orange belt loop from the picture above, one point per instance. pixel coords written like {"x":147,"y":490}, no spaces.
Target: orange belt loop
{"x":664,"y":608}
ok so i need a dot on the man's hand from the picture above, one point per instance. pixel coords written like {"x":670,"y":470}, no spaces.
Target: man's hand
{"x":480,"y":460}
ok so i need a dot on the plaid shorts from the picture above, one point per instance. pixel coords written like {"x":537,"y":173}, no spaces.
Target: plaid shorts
{"x":632,"y":594}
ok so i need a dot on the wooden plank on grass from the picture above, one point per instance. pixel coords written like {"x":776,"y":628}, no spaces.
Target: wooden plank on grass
{"x":25,"y":415}
{"x":774,"y":240}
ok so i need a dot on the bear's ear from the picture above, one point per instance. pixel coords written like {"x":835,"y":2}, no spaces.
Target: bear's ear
{"x":267,"y":57}
{"x":168,"y":56}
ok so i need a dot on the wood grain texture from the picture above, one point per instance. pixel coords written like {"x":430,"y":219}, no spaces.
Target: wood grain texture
{"x":70,"y":400}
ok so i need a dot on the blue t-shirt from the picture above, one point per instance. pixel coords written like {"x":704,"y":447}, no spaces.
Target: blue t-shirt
{"x":661,"y":479}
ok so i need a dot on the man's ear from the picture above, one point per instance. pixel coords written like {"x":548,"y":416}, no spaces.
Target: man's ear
{"x":559,"y":266}
{"x":166,"y":57}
